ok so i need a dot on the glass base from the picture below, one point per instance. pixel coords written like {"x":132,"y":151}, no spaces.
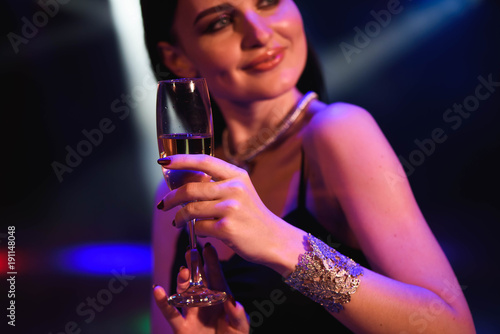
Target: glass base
{"x":197,"y":296}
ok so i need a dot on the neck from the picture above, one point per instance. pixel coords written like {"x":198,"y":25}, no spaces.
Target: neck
{"x":253,"y":120}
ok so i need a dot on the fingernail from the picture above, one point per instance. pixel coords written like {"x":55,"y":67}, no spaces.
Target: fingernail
{"x":160,"y":205}
{"x":173,"y":222}
{"x":154,"y":286}
{"x":232,"y":300}
{"x":164,"y":161}
{"x":182,"y":267}
{"x":207,"y":245}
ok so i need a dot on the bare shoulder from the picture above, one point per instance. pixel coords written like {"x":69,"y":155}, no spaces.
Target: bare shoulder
{"x":341,"y":124}
{"x":346,"y":147}
{"x":338,"y":111}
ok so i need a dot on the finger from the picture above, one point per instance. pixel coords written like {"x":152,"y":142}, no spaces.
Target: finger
{"x":209,"y":228}
{"x":197,"y":210}
{"x":235,"y":312}
{"x":236,"y":315}
{"x":190,"y":192}
{"x":209,"y":209}
{"x":182,"y":279}
{"x":217,"y":168}
{"x":213,"y":270}
{"x":170,"y":313}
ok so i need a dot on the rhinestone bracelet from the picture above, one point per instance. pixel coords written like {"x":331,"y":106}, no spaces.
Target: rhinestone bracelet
{"x":325,"y":276}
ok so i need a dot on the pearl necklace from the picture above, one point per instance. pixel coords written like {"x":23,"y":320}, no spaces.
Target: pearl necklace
{"x":243,"y":159}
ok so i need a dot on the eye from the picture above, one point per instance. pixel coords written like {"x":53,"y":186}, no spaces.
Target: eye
{"x":267,"y":3}
{"x":222,"y":21}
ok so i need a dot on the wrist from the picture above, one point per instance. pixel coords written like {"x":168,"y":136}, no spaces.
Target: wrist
{"x":326,"y":276}
{"x":286,"y":251}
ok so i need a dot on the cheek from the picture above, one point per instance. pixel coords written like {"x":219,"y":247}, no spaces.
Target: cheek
{"x":289,"y":16}
{"x":290,"y":26}
{"x":215,"y":58}
{"x":218,"y":64}
{"x":297,"y":56}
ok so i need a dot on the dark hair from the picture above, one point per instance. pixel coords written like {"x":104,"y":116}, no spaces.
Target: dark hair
{"x":158,"y":18}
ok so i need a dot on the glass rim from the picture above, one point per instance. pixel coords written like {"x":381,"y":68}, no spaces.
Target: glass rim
{"x":181,"y":80}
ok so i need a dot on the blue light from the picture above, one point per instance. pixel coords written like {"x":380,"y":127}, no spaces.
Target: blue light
{"x":344,"y":67}
{"x":102,"y":259}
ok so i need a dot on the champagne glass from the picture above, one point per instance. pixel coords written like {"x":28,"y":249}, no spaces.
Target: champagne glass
{"x":184,"y":126}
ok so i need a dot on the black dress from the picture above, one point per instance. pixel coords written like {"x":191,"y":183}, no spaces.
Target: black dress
{"x":272,"y":306}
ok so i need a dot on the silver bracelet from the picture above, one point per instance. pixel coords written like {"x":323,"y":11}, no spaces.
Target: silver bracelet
{"x":325,"y":276}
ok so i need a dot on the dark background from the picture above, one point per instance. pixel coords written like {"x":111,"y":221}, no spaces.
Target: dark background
{"x":74,"y":235}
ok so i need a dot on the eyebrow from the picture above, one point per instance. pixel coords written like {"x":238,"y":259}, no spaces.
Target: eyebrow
{"x":211,"y":10}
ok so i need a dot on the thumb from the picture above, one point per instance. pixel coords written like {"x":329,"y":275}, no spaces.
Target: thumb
{"x":236,"y":315}
{"x":214,"y":275}
{"x":169,"y":312}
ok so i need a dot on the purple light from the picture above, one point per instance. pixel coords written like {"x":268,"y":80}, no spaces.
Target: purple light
{"x":102,"y":259}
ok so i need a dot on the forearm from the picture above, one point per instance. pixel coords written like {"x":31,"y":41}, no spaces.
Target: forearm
{"x":384,"y":305}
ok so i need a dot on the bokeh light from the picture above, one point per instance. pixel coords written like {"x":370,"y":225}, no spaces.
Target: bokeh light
{"x":101,"y":259}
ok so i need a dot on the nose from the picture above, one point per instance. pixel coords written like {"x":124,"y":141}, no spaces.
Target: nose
{"x":256,"y":31}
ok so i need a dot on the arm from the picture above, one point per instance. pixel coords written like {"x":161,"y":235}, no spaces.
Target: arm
{"x":164,"y":239}
{"x":414,"y":288}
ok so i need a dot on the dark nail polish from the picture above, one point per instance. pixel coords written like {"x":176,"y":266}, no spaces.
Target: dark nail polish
{"x":232,"y":300}
{"x":164,"y":161}
{"x":207,"y":245}
{"x":160,"y":205}
{"x":173,"y":222}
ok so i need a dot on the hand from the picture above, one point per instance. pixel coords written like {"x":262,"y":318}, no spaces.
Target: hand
{"x":229,"y":208}
{"x":229,"y":317}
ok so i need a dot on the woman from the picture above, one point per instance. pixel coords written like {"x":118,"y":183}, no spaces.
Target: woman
{"x":328,"y":170}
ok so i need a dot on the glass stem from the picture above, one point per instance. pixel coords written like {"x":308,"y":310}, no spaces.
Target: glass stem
{"x":195,"y":257}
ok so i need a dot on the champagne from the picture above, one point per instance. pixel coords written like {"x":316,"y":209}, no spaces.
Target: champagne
{"x":184,"y":143}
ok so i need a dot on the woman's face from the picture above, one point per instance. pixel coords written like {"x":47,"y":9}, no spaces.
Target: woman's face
{"x":246,"y":49}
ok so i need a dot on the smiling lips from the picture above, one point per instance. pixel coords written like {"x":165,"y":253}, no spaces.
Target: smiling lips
{"x":267,"y":61}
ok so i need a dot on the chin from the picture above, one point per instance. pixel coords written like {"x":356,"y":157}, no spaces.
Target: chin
{"x":264,"y":92}
{"x":271,"y":86}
